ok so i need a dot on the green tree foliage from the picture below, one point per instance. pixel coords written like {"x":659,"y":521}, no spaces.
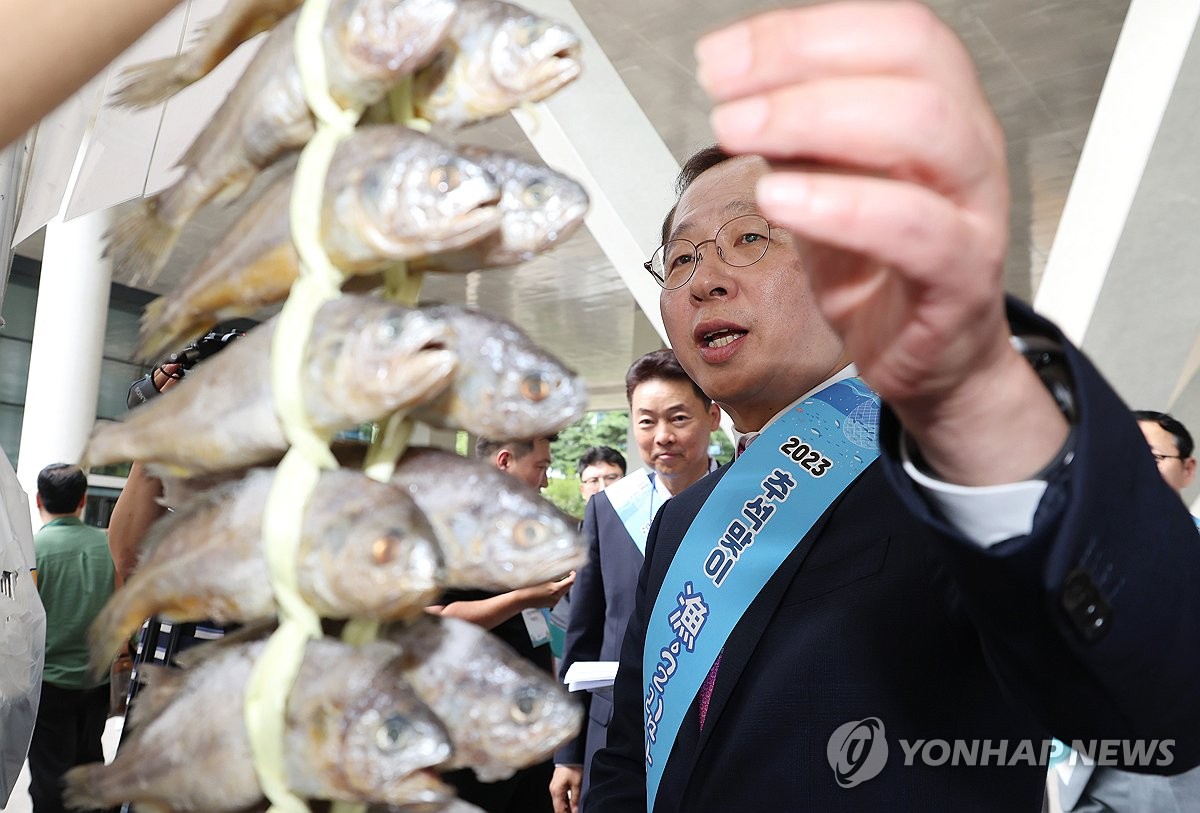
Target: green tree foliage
{"x":606,"y":428}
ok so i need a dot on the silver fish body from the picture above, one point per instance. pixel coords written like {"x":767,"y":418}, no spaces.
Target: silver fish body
{"x":365,"y":550}
{"x":498,"y":56}
{"x":352,"y":733}
{"x":506,"y":386}
{"x":495,"y":533}
{"x":369,"y":46}
{"x":391,"y":194}
{"x":502,"y":712}
{"x":364,"y":360}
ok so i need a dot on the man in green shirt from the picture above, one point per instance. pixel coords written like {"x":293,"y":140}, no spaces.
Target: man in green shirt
{"x":75,"y":579}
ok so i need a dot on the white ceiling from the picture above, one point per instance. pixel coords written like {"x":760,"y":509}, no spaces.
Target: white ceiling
{"x":1043,"y":63}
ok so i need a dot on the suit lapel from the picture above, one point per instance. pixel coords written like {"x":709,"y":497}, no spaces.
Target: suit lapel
{"x":746,"y":634}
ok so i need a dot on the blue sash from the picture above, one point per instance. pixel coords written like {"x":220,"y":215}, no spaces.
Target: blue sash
{"x":632,"y":498}
{"x":1195,"y":519}
{"x":760,"y":511}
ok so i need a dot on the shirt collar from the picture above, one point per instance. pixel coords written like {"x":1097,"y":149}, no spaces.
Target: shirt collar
{"x":660,"y":488}
{"x":64,"y":521}
{"x":849,"y":371}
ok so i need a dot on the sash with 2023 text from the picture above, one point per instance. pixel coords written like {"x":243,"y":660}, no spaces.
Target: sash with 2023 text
{"x":757,"y":515}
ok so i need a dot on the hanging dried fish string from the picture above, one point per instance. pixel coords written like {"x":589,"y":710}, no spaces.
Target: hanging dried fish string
{"x":319,"y":282}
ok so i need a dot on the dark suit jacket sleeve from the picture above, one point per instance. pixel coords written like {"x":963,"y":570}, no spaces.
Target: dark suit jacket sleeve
{"x":585,"y":628}
{"x":618,"y":780}
{"x":1093,"y":619}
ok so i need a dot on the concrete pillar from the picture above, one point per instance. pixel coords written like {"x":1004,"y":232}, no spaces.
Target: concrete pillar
{"x":68,"y":343}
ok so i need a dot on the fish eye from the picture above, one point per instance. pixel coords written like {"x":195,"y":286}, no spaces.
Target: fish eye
{"x":529,"y":532}
{"x":444,"y":177}
{"x":535,"y":195}
{"x":394,"y":733}
{"x":527,"y":705}
{"x":535,"y":387}
{"x":392,"y":326}
{"x":386,"y":548}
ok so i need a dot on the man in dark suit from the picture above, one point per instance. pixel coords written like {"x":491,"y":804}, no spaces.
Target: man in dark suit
{"x":673,"y":421}
{"x":982,"y":583}
{"x":1087,"y":788}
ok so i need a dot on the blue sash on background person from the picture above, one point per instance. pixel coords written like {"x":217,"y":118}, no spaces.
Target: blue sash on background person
{"x":757,"y":515}
{"x":632,"y":497}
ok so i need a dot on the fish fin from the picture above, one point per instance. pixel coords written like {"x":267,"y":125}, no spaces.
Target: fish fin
{"x":151,"y":83}
{"x":158,"y":331}
{"x":161,"y":684}
{"x":122,"y":614}
{"x":139,"y":243}
{"x":234,"y":188}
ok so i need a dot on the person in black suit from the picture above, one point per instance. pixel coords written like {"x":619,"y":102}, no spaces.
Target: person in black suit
{"x":673,"y":421}
{"x":984,"y":580}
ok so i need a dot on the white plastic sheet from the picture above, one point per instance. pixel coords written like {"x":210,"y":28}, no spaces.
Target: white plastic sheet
{"x":22,"y":630}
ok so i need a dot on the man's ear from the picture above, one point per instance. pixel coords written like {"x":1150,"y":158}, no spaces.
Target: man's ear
{"x":714,"y":414}
{"x":38,"y":497}
{"x":1189,"y":471}
{"x":503,"y":458}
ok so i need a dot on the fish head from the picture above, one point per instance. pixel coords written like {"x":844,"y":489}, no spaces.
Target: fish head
{"x":388,"y":357}
{"x":506,"y":386}
{"x":390,"y":39}
{"x":539,"y":207}
{"x":388,"y":734}
{"x":531,"y":57}
{"x":505,"y":713}
{"x":523,"y":719}
{"x":379,"y":556}
{"x":520,"y":539}
{"x":425,"y":199}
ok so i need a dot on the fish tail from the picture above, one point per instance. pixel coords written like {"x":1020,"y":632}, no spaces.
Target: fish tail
{"x":160,"y":329}
{"x":140,"y":242}
{"x":151,"y":83}
{"x":96,"y":785}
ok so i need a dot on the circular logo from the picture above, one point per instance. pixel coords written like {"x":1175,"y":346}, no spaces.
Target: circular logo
{"x":857,"y":751}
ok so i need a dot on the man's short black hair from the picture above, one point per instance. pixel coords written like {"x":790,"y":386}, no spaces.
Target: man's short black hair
{"x":61,"y":487}
{"x":486,"y":448}
{"x":601,"y":454}
{"x":660,"y":364}
{"x":696,"y":165}
{"x":1183,"y":438}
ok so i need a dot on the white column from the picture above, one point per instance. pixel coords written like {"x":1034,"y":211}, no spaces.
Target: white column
{"x":68,"y":343}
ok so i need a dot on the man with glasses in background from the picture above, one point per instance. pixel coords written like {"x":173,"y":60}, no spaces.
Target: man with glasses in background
{"x":954,"y":565}
{"x":599,"y":468}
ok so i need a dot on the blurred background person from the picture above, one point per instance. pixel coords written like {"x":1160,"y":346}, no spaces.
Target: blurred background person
{"x":672,"y":424}
{"x":599,"y":468}
{"x":75,"y":579}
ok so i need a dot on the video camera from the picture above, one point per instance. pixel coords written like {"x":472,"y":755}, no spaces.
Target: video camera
{"x":143,"y":389}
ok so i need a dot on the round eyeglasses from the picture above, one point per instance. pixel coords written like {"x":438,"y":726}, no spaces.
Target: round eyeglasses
{"x":741,"y":242}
